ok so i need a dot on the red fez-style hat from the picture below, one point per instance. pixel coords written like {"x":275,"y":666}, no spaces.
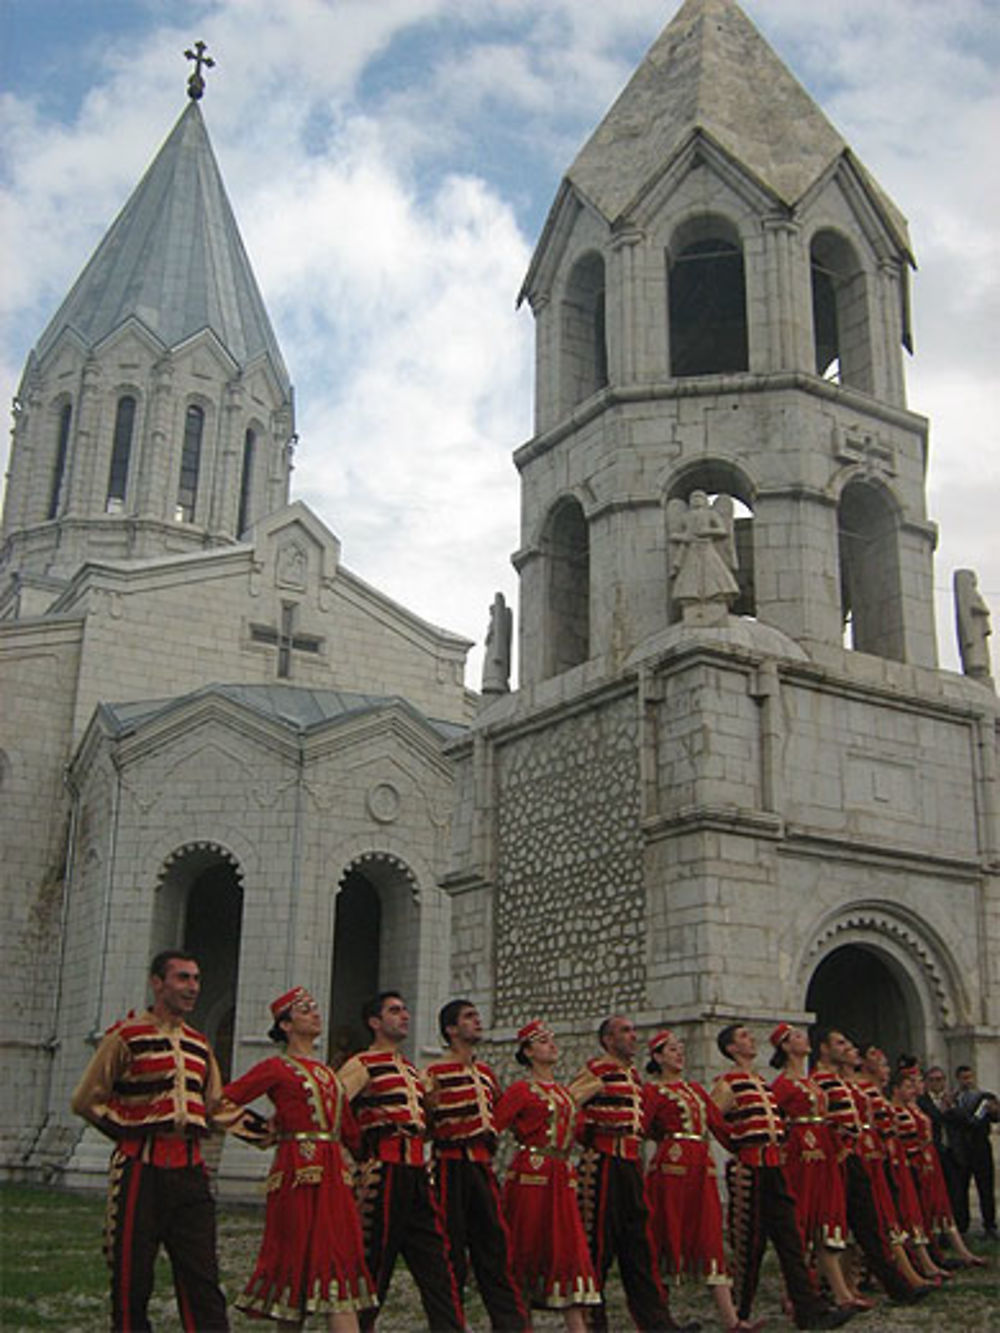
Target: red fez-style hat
{"x":656,"y":1042}
{"x":536,"y":1028}
{"x":284,"y":1002}
{"x":779,"y":1034}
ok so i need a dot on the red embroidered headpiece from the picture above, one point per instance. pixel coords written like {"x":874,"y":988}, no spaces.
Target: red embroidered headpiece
{"x":656,"y":1042}
{"x":284,"y":1002}
{"x":779,"y":1034}
{"x":536,"y":1028}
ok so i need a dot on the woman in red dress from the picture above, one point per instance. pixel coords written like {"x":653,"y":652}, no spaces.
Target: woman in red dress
{"x":549,"y":1253}
{"x":685,"y":1212}
{"x":916,"y":1134}
{"x":812,"y":1165}
{"x":311,"y":1258}
{"x":874,"y":1079}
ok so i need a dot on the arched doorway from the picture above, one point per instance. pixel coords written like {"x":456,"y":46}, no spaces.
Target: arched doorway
{"x":200,"y":909}
{"x":864,"y":993}
{"x":375,"y":946}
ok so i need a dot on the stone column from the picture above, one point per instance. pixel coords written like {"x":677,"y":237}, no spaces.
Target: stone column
{"x":887,"y":342}
{"x":784,"y":353}
{"x":625,"y":349}
{"x":228,"y":469}
{"x":81,"y":456}
{"x":155,"y":496}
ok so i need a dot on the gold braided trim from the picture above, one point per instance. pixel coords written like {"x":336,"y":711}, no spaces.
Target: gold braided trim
{"x":310,"y":1136}
{"x":308,"y":1175}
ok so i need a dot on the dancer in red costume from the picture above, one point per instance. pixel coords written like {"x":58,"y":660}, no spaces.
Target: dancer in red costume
{"x":916,"y":1134}
{"x":811,"y":1163}
{"x":549,"y":1251}
{"x":311,"y":1258}
{"x":873,"y":1078}
{"x":684,"y":1207}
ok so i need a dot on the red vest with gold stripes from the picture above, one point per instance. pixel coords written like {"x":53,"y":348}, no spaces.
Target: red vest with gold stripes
{"x":613,"y":1117}
{"x":754,"y":1119}
{"x":393,"y":1101}
{"x":466,"y":1096}
{"x":163,"y":1086}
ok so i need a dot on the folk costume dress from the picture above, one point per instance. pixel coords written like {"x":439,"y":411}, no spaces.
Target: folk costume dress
{"x":311,"y":1258}
{"x":917,"y":1136}
{"x":904,"y":1192}
{"x":684,"y":1206}
{"x":549,"y":1252}
{"x":812,"y":1169}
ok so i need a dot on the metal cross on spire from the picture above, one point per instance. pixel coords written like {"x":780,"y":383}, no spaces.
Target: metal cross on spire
{"x":196,"y":83}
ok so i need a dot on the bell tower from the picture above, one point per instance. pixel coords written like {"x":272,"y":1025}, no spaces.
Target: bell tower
{"x":155,"y":414}
{"x":721,"y":304}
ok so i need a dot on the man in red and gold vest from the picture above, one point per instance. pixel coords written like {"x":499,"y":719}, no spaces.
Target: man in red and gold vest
{"x":611,"y":1192}
{"x":462,"y":1093}
{"x":760,"y":1206}
{"x":399,"y":1212}
{"x":152,"y":1085}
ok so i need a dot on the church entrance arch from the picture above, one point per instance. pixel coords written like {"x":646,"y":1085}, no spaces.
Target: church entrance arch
{"x":200,"y":909}
{"x":865,"y":993}
{"x":375,"y":945}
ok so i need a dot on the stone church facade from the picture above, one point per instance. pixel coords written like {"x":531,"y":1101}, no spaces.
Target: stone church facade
{"x":212,"y":733}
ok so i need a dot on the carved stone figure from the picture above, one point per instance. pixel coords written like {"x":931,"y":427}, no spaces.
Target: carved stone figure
{"x":496,"y":659}
{"x":972,"y":620}
{"x":702,"y":558}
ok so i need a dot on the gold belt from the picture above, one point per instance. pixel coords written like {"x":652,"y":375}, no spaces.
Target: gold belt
{"x":695,"y":1138}
{"x":807,"y":1120}
{"x":310,"y":1136}
{"x":560,"y":1154}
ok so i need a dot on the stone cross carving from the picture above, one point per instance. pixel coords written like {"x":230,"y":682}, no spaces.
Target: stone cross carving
{"x":702,"y":558}
{"x":196,"y":83}
{"x":496,"y":659}
{"x":972,"y":621}
{"x":286,"y":639}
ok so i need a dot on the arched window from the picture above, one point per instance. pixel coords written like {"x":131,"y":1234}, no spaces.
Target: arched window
{"x":870,"y":591}
{"x":841,"y":327}
{"x":567,"y":592}
{"x":187,"y":488}
{"x":246,"y":482}
{"x":121,"y":452}
{"x":708,"y":304}
{"x":584,"y":351}
{"x":59,"y":466}
{"x":719,"y":478}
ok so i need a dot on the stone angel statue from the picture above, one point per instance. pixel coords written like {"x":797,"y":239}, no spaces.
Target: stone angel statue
{"x":496,"y":658}
{"x":702,"y":558}
{"x":972,"y":621}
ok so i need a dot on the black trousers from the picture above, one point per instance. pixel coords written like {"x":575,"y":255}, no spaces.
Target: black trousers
{"x":977,"y":1165}
{"x":150,"y":1206}
{"x":616,"y":1220}
{"x":862,"y":1218}
{"x":760,"y":1210}
{"x":470,"y":1201}
{"x":399,"y":1215}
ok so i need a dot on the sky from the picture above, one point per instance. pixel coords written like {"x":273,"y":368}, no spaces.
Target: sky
{"x":391,"y":164}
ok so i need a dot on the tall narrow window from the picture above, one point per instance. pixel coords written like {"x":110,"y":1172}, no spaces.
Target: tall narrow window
{"x":708,"y":303}
{"x":59,"y":468}
{"x":187,"y":488}
{"x":567,"y":619}
{"x":584,"y":347}
{"x":121,"y":452}
{"x":841,"y":328}
{"x":246,"y":482}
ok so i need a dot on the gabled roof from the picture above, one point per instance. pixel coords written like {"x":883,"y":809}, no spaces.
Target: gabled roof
{"x":173,"y":259}
{"x":711,"y":70}
{"x":292,"y":706}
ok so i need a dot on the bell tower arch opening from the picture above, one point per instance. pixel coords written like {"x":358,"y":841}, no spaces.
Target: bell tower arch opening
{"x":841,"y":326}
{"x":200,"y":909}
{"x":870,"y":587}
{"x":375,"y":946}
{"x":707,"y":299}
{"x":566,"y":544}
{"x":865,"y":993}
{"x":583,"y":342}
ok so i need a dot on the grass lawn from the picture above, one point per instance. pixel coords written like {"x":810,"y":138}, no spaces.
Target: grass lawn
{"x":52,"y":1276}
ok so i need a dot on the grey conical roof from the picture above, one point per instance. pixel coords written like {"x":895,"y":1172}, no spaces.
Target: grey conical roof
{"x":174,"y":260}
{"x":711,"y":70}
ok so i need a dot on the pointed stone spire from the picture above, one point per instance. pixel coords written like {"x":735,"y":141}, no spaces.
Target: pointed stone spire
{"x":174,"y":260}
{"x":711,"y":70}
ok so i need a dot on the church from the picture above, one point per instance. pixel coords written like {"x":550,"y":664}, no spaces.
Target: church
{"x":731,"y":782}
